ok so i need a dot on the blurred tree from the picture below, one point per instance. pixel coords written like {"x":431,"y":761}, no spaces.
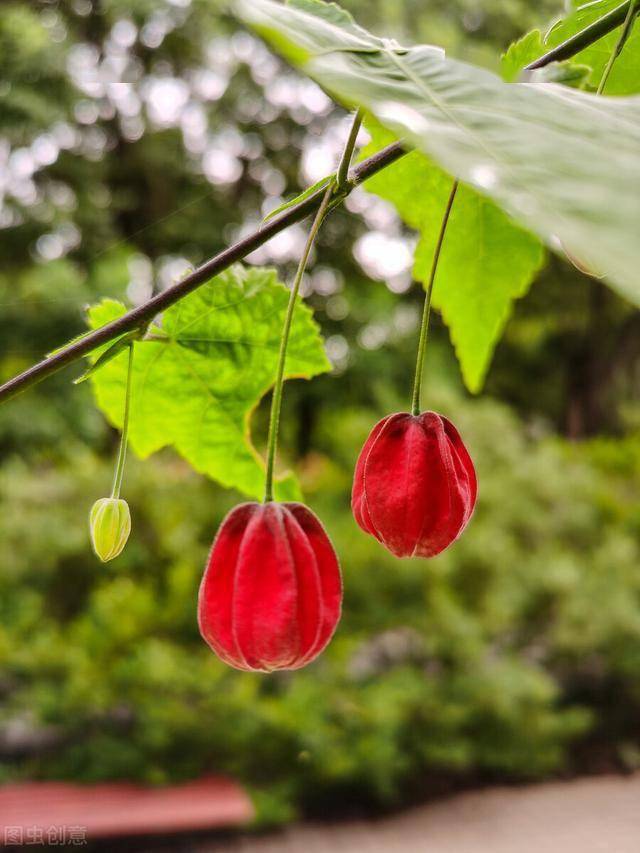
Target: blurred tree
{"x":139,"y":137}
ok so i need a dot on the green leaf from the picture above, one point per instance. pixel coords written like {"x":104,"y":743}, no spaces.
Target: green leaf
{"x":530,"y":47}
{"x":321,"y":184}
{"x":105,"y":357}
{"x":203,"y":371}
{"x":486,"y":261}
{"x":331,"y":12}
{"x":561,"y":162}
{"x":566,"y":73}
{"x":519,"y":54}
{"x":625,"y":74}
{"x":327,"y":27}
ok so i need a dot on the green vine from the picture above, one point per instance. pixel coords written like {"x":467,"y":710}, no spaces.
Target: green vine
{"x":426,"y":311}
{"x":337,"y":188}
{"x":122,"y":451}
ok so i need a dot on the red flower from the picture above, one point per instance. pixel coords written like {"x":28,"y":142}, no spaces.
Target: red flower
{"x":414,"y":486}
{"x":271,"y":594}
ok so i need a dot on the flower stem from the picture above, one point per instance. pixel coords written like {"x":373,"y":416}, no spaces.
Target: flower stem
{"x":276,"y":400}
{"x":424,"y":327}
{"x":338,"y":186}
{"x":342,"y":175}
{"x":624,"y":35}
{"x":122,"y":452}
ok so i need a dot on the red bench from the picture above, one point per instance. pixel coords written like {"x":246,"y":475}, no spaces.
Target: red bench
{"x":61,"y":813}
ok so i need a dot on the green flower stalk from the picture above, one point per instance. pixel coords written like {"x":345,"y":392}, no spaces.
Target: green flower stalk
{"x":110,"y":519}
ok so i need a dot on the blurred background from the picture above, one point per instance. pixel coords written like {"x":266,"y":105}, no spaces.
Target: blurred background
{"x":138,"y":138}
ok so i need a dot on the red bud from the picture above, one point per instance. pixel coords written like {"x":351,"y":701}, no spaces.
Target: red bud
{"x":415,"y":486}
{"x":271,"y":594}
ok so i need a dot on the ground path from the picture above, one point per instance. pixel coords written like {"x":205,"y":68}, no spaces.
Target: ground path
{"x":594,"y":815}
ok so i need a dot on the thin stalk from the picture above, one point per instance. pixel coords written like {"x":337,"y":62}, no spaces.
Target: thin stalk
{"x":593,"y":33}
{"x":426,"y":311}
{"x":122,"y":452}
{"x":276,"y":400}
{"x":624,"y":35}
{"x":342,"y":175}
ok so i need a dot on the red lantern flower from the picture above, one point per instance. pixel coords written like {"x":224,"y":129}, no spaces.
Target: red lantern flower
{"x":271,"y":594}
{"x":415,"y":486}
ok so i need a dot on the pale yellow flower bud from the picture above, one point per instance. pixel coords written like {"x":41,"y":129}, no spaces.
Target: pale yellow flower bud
{"x":110,"y":526}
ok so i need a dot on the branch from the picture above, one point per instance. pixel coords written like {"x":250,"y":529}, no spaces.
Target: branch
{"x":584,"y":38}
{"x":139,"y":317}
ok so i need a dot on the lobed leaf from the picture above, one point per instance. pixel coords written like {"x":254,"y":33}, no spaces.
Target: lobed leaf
{"x":201,"y":372}
{"x":486,"y":260}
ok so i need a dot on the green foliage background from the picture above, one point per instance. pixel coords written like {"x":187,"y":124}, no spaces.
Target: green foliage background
{"x":515,"y":654}
{"x":498,"y":660}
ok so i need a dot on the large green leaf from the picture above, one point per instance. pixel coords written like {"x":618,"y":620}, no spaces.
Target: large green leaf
{"x":486,"y":261}
{"x":211,"y":360}
{"x":562,"y":162}
{"x":624,"y":78}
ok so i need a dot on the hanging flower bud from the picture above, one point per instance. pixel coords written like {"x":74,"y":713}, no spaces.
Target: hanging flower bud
{"x":414,"y":486}
{"x":110,"y":526}
{"x":271,"y":594}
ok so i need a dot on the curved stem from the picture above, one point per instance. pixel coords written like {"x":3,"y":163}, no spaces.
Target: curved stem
{"x":122,"y":452}
{"x":342,"y":175}
{"x":424,"y":327}
{"x":276,"y":400}
{"x":624,"y":35}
